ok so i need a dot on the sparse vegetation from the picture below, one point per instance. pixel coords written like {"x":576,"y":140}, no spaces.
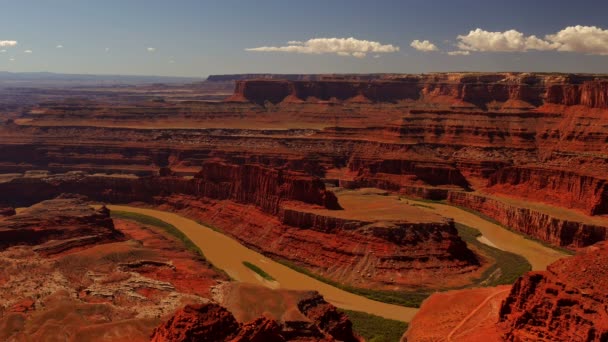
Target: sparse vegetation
{"x":375,"y":328}
{"x":258,"y":270}
{"x":507,"y":267}
{"x":411,"y":299}
{"x":422,"y":206}
{"x":169,"y":228}
{"x":152,"y":221}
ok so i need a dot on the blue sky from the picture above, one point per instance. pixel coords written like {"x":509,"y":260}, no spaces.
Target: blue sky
{"x":197,"y":38}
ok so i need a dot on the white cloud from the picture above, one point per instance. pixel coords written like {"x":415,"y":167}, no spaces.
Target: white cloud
{"x":107,"y":49}
{"x":508,"y":41}
{"x":171,"y":61}
{"x":459,"y":53}
{"x":59,"y":46}
{"x":11,"y":59}
{"x":8,"y":43}
{"x":585,"y":39}
{"x":28,"y":51}
{"x":340,"y":46}
{"x":3,"y":51}
{"x":376,"y":56}
{"x":151,"y":49}
{"x":424,"y":45}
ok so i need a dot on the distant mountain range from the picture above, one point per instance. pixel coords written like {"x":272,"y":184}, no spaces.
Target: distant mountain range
{"x":50,"y":78}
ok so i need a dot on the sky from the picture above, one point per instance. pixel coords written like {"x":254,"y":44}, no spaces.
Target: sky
{"x":199,"y":38}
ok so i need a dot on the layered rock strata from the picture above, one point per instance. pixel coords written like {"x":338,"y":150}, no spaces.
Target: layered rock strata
{"x":565,"y":303}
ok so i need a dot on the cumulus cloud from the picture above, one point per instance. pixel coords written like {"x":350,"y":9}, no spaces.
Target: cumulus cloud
{"x":151,"y":49}
{"x":340,"y":46}
{"x":424,"y":45}
{"x":582,"y":39}
{"x":507,"y":41}
{"x":3,"y":51}
{"x":11,"y":59}
{"x":459,"y":53}
{"x":585,"y":39}
{"x":28,"y":51}
{"x":59,"y":46}
{"x":107,"y":49}
{"x":4,"y":43}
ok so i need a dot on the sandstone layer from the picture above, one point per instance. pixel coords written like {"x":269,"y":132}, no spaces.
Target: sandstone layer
{"x":565,"y":303}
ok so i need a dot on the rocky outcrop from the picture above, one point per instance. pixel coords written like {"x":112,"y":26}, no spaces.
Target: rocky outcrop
{"x":67,"y":220}
{"x":212,"y":322}
{"x":565,"y":303}
{"x":205,"y":322}
{"x":557,"y":231}
{"x":327,"y":317}
{"x":7,"y":211}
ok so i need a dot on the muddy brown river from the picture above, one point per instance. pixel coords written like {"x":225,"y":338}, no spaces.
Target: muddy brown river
{"x":229,"y":255}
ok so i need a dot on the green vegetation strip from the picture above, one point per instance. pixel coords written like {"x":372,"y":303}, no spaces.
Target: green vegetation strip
{"x":507,"y":267}
{"x":153,"y":221}
{"x":258,"y":270}
{"x":374,"y":328}
{"x":169,"y":228}
{"x":412,"y":299}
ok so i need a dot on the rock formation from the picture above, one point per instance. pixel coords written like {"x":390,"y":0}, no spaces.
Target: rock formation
{"x":68,"y":222}
{"x":212,"y":322}
{"x":554,"y":229}
{"x":565,"y":303}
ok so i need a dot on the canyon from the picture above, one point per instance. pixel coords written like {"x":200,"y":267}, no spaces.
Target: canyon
{"x":336,"y":175}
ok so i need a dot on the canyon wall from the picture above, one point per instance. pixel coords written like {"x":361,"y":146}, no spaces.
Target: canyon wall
{"x":564,"y":188}
{"x":249,"y":183}
{"x":557,"y":231}
{"x":565,"y":303}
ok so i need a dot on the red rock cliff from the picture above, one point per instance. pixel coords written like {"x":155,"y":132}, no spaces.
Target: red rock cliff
{"x":512,"y":90}
{"x":563,"y":188}
{"x":565,"y":303}
{"x":559,"y":232}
